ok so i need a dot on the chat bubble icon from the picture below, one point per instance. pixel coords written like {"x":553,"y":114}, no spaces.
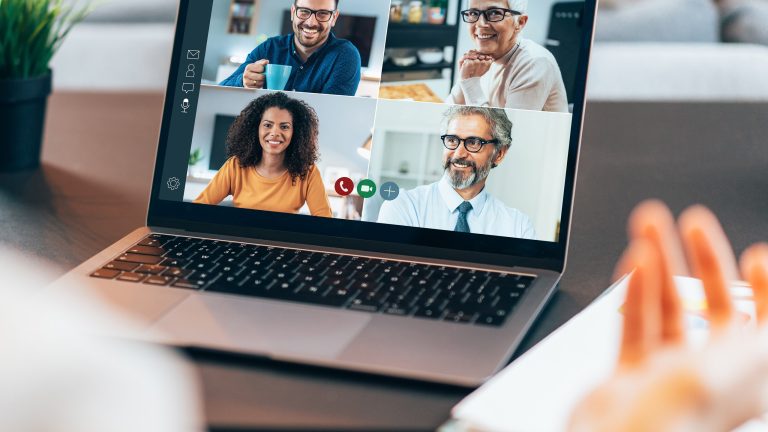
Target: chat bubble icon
{"x":188,"y":87}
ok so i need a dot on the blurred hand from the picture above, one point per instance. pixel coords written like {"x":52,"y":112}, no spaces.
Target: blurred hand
{"x":660,"y":383}
{"x":474,"y":64}
{"x":253,"y":75}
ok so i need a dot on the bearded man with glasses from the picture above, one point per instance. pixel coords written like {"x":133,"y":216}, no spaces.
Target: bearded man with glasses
{"x":475,"y":141}
{"x":321,"y":63}
{"x":505,"y":70}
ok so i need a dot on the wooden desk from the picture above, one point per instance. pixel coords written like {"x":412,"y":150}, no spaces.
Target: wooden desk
{"x":94,"y":185}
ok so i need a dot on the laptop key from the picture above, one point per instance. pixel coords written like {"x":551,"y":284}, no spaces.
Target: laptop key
{"x":188,"y":284}
{"x":202,"y":276}
{"x":340,"y":295}
{"x":230,"y":287}
{"x":204,"y":267}
{"x":432,"y":312}
{"x":177,"y":272}
{"x":158,"y":280}
{"x":131,"y":277}
{"x":124,"y":266}
{"x":147,"y":250}
{"x":150,"y":242}
{"x":459,"y":316}
{"x":140,"y":259}
{"x":105,"y":273}
{"x":162,"y":237}
{"x":396,"y":309}
{"x":168,"y":262}
{"x":150,"y":269}
{"x":365,"y":305}
{"x":181,"y":255}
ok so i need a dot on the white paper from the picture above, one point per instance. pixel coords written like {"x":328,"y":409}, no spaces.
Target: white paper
{"x":538,"y":391}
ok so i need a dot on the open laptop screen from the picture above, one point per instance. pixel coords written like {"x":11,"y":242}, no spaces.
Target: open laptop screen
{"x":428,"y":123}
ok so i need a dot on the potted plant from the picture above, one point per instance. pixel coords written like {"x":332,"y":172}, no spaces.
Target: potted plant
{"x":30,"y":33}
{"x":195,"y":157}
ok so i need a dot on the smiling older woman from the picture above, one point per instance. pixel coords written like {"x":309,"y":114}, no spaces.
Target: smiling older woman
{"x":505,"y":70}
{"x":272,"y":148}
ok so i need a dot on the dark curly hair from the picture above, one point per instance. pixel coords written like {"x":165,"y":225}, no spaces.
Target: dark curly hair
{"x":243,"y":136}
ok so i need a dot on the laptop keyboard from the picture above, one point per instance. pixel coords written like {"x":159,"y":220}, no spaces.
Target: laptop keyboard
{"x":371,"y":285}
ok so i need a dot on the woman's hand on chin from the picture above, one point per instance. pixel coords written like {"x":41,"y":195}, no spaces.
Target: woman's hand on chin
{"x":474,"y":64}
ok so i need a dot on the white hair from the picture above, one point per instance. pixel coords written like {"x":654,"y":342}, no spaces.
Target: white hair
{"x":519,"y":5}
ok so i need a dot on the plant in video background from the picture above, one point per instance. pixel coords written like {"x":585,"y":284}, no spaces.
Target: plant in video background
{"x":31,"y":31}
{"x":195,"y":157}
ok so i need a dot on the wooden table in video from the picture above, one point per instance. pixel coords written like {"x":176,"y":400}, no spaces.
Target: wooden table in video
{"x":416,"y":92}
{"x":95,"y":180}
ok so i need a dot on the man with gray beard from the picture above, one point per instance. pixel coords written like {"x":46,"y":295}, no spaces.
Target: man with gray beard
{"x":476,"y":140}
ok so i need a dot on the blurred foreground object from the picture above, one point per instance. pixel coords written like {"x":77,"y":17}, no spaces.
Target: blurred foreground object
{"x":744,"y":21}
{"x":662,"y":383}
{"x":57,"y":374}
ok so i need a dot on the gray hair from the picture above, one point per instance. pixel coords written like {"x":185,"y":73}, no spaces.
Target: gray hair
{"x":501,"y":125}
{"x":518,"y":5}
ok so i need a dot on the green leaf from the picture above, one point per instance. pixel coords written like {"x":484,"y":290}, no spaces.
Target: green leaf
{"x":31,"y":31}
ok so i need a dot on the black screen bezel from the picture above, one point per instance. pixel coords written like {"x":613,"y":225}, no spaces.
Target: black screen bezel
{"x":369,"y":236}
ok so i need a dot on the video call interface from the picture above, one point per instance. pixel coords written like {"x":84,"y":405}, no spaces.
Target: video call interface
{"x":452,"y":115}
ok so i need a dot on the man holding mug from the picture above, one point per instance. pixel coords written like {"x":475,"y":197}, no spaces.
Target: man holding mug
{"x":319,"y":62}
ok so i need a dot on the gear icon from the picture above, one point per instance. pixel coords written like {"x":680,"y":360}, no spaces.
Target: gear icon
{"x":174,"y":183}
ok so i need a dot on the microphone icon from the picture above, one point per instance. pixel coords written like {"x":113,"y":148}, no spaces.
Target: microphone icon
{"x":185,"y":105}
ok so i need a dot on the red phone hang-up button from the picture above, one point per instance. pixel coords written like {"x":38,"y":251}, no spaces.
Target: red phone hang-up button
{"x":344,"y":186}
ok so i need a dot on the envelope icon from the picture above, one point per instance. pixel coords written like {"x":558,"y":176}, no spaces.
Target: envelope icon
{"x":193,"y":54}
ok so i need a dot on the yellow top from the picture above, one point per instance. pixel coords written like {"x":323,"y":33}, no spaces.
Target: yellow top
{"x":250,"y":190}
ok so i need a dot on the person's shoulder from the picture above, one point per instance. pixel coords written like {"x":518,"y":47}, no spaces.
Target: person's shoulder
{"x":510,"y":213}
{"x":275,"y":42}
{"x":280,"y":39}
{"x":314,"y":171}
{"x":233,"y":161}
{"x":420,"y":193}
{"x":535,"y":53}
{"x":232,"y":168}
{"x":233,"y":165}
{"x":344,"y":47}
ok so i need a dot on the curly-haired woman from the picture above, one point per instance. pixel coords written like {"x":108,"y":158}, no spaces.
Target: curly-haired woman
{"x":272,"y":148}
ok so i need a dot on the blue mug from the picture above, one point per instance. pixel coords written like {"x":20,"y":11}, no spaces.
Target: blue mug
{"x":277,"y":76}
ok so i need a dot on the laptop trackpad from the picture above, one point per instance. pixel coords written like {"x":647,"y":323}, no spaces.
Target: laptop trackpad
{"x":261,"y":326}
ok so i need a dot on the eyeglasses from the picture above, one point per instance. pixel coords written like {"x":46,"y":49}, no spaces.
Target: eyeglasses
{"x":321,"y":15}
{"x":491,"y":15}
{"x":472,"y":144}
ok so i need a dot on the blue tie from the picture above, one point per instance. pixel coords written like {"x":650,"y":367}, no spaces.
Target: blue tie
{"x":461,"y":224}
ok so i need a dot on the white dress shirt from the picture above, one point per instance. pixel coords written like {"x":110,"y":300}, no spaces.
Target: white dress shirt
{"x":436,"y":206}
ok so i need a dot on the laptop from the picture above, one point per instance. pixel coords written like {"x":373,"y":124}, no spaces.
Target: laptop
{"x":368,"y":225}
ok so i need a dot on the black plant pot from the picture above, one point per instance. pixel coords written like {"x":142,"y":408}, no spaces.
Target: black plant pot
{"x":22,"y":118}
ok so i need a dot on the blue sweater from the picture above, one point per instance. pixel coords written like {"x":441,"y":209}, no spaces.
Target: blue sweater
{"x":333,"y":69}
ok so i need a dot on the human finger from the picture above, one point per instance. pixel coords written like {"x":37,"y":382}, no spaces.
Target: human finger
{"x":651,"y":220}
{"x":253,"y":79}
{"x":257,"y":67}
{"x":642,"y":309}
{"x":711,"y":259}
{"x":754,"y":269}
